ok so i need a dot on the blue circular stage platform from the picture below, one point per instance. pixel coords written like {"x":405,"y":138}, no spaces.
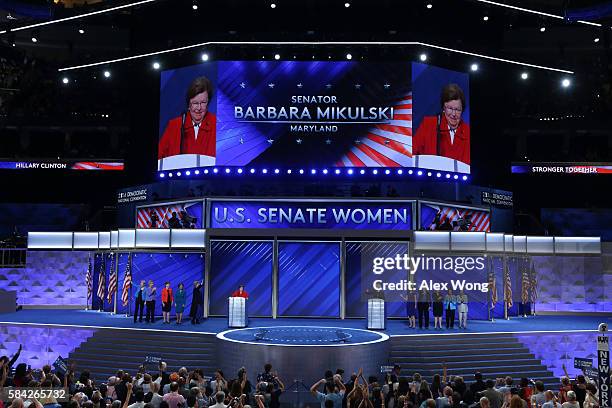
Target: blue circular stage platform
{"x":303,"y":336}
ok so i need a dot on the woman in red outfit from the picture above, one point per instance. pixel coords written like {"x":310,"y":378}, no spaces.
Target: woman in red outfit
{"x":167,"y":299}
{"x":445,"y":134}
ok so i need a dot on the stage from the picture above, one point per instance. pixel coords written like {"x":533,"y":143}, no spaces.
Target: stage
{"x":214,"y":325}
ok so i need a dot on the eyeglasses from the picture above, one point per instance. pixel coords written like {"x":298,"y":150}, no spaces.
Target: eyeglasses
{"x":198,"y":104}
{"x":453,"y":110}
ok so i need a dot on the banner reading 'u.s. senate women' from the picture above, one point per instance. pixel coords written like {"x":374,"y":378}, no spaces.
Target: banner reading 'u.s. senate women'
{"x":322,"y":214}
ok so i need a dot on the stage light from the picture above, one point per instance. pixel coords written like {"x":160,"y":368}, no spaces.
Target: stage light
{"x":81,"y":31}
{"x":162,"y":175}
{"x":429,"y":174}
{"x":277,"y":56}
{"x":349,"y":56}
{"x":524,"y":75}
{"x":410,"y":171}
{"x":205,"y":171}
{"x":276,"y":171}
{"x":596,"y":40}
{"x":288,"y":171}
{"x":448,"y":176}
{"x":337,"y":171}
{"x":156,"y":65}
{"x":374,"y":171}
{"x":347,"y":4}
{"x":34,"y":39}
{"x":362,"y":171}
{"x":387,"y":171}
{"x":542,"y":29}
{"x":464,"y":178}
{"x":107,"y":74}
{"x":197,"y":172}
{"x":215,"y":170}
{"x":252,"y":171}
{"x":485,"y":18}
{"x":239,"y":171}
{"x":420,"y":173}
{"x":324,"y":171}
{"x":178,"y":174}
{"x":438,"y":175}
{"x":204,"y":57}
{"x":65,"y":80}
{"x":188,"y":173}
{"x":429,"y":6}
{"x":349,"y":171}
{"x":400,"y":171}
{"x":194,"y":5}
{"x":566,"y":82}
{"x":273,"y":5}
{"x":455,"y":177}
{"x":423,"y":57}
{"x":227,"y":171}
{"x":301,"y":171}
{"x":474,"y":67}
{"x":265,"y":171}
{"x":169,"y":174}
{"x":313,"y":171}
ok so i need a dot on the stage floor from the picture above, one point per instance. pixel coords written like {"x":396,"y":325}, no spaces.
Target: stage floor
{"x":94,"y":319}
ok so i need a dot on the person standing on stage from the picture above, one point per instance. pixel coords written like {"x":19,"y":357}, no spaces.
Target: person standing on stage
{"x":462,"y":306}
{"x":240,"y":292}
{"x":150,"y":293}
{"x":438,"y":309}
{"x":167,"y":299}
{"x":450,"y":305}
{"x":140,"y":302}
{"x":411,"y":308}
{"x":179,"y":302}
{"x":197,"y":302}
{"x":423,"y":305}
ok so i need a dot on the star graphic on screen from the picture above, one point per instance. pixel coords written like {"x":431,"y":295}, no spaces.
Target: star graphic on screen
{"x":328,"y":86}
{"x":357,"y":86}
{"x":270,"y":141}
{"x":271,"y":85}
{"x":300,"y":85}
{"x":241,"y":141}
{"x":242,"y":85}
{"x":298,"y":141}
{"x":328,"y":141}
{"x":387,"y":85}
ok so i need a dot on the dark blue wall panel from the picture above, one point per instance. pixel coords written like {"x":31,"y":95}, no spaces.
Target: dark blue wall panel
{"x":309,"y":279}
{"x":235,"y":263}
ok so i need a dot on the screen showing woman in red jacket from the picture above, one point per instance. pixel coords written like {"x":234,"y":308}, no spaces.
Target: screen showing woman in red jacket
{"x":240,"y":292}
{"x":445,"y":134}
{"x":195,"y":130}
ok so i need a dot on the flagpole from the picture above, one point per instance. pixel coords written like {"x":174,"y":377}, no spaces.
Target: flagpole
{"x":117,"y":284}
{"x":505,"y":266}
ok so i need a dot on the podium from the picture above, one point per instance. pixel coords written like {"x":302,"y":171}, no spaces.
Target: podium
{"x":237,"y":313}
{"x":376,"y":314}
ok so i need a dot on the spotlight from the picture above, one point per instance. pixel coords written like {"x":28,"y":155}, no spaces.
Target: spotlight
{"x":34,"y":39}
{"x":169,"y":174}
{"x":313,"y":171}
{"x":485,"y":18}
{"x":429,"y":5}
{"x":156,"y":65}
{"x":423,"y":57}
{"x":400,"y":171}
{"x":347,"y":4}
{"x":301,"y":171}
{"x":197,"y":172}
{"x":542,"y":29}
{"x":215,"y":170}
{"x":410,"y":171}
{"x":239,"y":171}
{"x":252,"y":171}
{"x":447,"y":176}
{"x":65,"y":80}
{"x":337,"y":171}
{"x":205,"y":171}
{"x":265,"y":171}
{"x":107,"y":74}
{"x":204,"y":57}
{"x":276,"y":171}
{"x":324,"y":171}
{"x":81,"y":31}
{"x":194,"y":5}
{"x":524,"y":75}
{"x":420,"y":173}
{"x":438,"y":175}
{"x":349,"y":171}
{"x":474,"y":67}
{"x":566,"y":82}
{"x":387,"y":171}
{"x":464,"y":178}
{"x":277,"y":56}
{"x":349,"y":56}
{"x":227,"y":171}
{"x":596,"y":40}
{"x":188,"y":173}
{"x":288,"y":171}
{"x":178,"y":173}
{"x":374,"y":171}
{"x":429,"y":174}
{"x":362,"y":171}
{"x":273,"y":5}
{"x":162,"y":175}
{"x":455,"y":177}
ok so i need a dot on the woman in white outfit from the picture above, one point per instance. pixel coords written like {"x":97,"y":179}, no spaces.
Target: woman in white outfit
{"x":462,"y":308}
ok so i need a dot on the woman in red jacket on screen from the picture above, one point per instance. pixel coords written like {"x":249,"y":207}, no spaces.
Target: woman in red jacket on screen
{"x":445,"y":134}
{"x":194,"y":131}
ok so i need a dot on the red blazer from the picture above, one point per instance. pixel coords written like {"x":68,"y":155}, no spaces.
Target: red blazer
{"x":206,"y":143}
{"x":167,"y":295}
{"x":424,"y":140}
{"x":237,"y":293}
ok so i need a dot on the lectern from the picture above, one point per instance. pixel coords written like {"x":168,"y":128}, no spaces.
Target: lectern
{"x":376,"y":314}
{"x":237,"y":313}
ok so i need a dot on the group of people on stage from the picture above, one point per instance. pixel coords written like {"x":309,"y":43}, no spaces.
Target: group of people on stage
{"x":146,"y":295}
{"x":419,"y":304}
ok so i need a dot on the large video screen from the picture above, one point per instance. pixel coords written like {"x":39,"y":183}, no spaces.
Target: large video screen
{"x":314,"y":114}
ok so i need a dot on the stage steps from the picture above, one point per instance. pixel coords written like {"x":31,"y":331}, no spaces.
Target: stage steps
{"x":494,"y":355}
{"x":111,"y":349}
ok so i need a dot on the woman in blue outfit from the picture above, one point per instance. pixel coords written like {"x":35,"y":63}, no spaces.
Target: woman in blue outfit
{"x":179,"y":302}
{"x":411,"y":308}
{"x":450,"y":305}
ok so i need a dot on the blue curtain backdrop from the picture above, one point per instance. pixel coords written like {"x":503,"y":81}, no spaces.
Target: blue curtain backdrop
{"x":235,"y":263}
{"x":174,"y":267}
{"x":309,"y":279}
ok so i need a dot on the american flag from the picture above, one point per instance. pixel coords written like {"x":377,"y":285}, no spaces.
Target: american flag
{"x":98,"y":166}
{"x":507,"y":287}
{"x":112,"y":284}
{"x":127,"y":283}
{"x":480,"y":220}
{"x":102,"y":281}
{"x":88,"y":278}
{"x":525,"y":286}
{"x":534,"y":283}
{"x":385,"y":144}
{"x":492,"y":289}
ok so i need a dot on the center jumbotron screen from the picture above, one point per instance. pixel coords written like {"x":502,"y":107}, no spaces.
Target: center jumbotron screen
{"x":314,"y":114}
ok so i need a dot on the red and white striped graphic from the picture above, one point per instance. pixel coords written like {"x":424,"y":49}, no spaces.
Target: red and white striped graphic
{"x":164,"y":213}
{"x":386,"y":144}
{"x":481,"y":220}
{"x":98,"y":166}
